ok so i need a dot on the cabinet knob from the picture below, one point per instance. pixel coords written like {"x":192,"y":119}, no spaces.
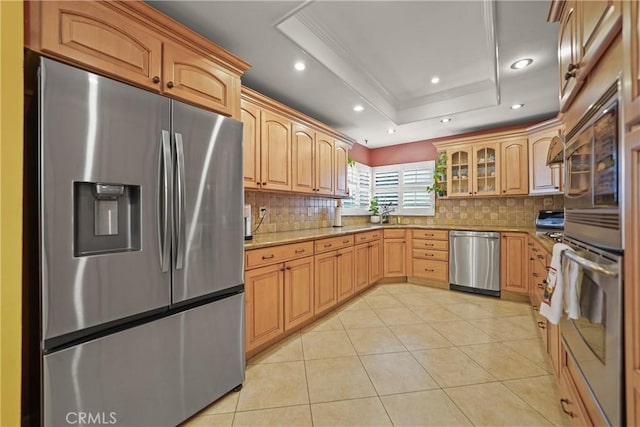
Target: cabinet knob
{"x":264,"y":183}
{"x":504,"y":191}
{"x":282,"y":269}
{"x":572,"y":67}
{"x":540,"y":285}
{"x":155,"y":79}
{"x":169,"y":85}
{"x":567,"y":76}
{"x":288,"y":268}
{"x":470,"y":192}
{"x":541,"y":325}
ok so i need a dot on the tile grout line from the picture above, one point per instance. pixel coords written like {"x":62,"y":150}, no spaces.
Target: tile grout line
{"x":306,"y":377}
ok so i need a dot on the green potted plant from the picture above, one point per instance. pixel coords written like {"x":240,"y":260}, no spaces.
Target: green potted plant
{"x":439,"y":176}
{"x":350,"y":161}
{"x":374,"y":208}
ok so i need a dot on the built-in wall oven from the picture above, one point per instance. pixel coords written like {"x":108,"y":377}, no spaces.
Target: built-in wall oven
{"x":593,"y":231}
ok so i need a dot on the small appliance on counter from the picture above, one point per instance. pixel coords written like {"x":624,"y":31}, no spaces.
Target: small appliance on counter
{"x":337,"y":215}
{"x":550,"y":220}
{"x":247,"y":223}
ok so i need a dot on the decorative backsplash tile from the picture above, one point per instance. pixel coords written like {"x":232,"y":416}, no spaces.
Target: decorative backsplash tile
{"x":286,"y":212}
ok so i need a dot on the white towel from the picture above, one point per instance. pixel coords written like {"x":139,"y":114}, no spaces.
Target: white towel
{"x":553,"y":302}
{"x":572,"y":278}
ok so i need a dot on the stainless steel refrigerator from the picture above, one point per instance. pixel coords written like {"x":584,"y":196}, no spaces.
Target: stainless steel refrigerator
{"x":141,"y":246}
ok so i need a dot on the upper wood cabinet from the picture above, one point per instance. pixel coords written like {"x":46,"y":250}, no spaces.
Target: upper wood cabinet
{"x":295,"y":152}
{"x":543,"y":179}
{"x":515,"y":167}
{"x":324,"y":167}
{"x":459,"y":161}
{"x":587,"y":28}
{"x":133,"y":42}
{"x":631,"y":73}
{"x":514,"y":262}
{"x":250,"y":117}
{"x":486,"y":169}
{"x":275,"y":151}
{"x":190,"y":77}
{"x":341,"y":164}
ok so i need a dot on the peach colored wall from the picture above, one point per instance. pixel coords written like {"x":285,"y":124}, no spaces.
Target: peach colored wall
{"x":403,"y":153}
{"x":360,"y":154}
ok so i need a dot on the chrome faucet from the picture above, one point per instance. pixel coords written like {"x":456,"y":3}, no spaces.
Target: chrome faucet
{"x":385,"y":211}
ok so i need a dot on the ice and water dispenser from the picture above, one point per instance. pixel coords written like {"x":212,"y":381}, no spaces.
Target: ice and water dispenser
{"x":107,"y":218}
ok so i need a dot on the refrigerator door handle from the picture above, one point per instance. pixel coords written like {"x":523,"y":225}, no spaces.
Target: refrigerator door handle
{"x":180,"y":202}
{"x":164,"y":172}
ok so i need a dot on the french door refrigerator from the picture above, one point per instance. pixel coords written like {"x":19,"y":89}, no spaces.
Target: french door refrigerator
{"x":141,"y":246}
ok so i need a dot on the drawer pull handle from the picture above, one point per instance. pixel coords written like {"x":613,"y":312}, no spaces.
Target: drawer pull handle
{"x":375,"y":235}
{"x":535,"y":307}
{"x":429,"y":235}
{"x":288,"y":268}
{"x":364,"y":237}
{"x":535,"y":274}
{"x":540,"y":285}
{"x":541,"y":325}
{"x":282,"y":269}
{"x":338,"y":255}
{"x":299,"y":251}
{"x":268,"y":256}
{"x":429,"y":269}
{"x":328,"y":245}
{"x":429,"y":254}
{"x":345,"y":241}
{"x":540,"y":256}
{"x":562,"y":402}
{"x":532,"y":259}
{"x":429,"y":244}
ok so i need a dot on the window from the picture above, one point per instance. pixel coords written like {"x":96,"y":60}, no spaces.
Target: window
{"x":359,"y":179}
{"x":403,"y":187}
{"x":400,"y":186}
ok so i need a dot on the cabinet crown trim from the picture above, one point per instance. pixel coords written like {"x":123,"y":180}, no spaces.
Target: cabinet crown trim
{"x":496,"y":137}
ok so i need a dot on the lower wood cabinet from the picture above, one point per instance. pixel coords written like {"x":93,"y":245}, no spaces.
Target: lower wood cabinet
{"x":345,"y":273}
{"x":395,"y":253}
{"x":514,"y":263}
{"x":367,"y":264}
{"x":298,"y":292}
{"x":264,"y":304}
{"x":326,"y":267}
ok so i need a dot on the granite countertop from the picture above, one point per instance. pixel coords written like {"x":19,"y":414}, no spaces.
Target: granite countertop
{"x":264,"y":240}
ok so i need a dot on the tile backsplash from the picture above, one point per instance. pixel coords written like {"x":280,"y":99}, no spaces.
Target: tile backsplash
{"x":287,"y":212}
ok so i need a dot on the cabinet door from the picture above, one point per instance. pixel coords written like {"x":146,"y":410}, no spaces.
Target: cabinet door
{"x":376,"y":261}
{"x":600,"y":21}
{"x":250,"y":116}
{"x":191,"y":77}
{"x":543,"y":179}
{"x":458,"y":172}
{"x":276,"y":152}
{"x":631,"y":75}
{"x":395,"y":260}
{"x":326,"y":266}
{"x":340,"y":165}
{"x":324,"y":159}
{"x":346,"y":273}
{"x":515,"y":167}
{"x":298,"y":292}
{"x":264,"y":304}
{"x":486,"y":170}
{"x":361,"y":266}
{"x":514,"y":272}
{"x":99,"y":37}
{"x":302,"y":159}
{"x":568,"y":54}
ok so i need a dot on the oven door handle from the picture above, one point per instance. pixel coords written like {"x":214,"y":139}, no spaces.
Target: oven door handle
{"x":590,"y":265}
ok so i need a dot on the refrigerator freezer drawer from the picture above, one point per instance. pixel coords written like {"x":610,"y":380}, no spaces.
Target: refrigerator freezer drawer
{"x":159,"y":373}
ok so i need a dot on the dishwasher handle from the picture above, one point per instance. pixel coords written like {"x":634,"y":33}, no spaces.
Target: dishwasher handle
{"x":485,"y":235}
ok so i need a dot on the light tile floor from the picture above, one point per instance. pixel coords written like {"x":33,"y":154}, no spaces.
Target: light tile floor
{"x":403,"y":355}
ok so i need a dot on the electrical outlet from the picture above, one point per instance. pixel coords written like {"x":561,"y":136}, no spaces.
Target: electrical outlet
{"x":309,"y":211}
{"x":263,"y":211}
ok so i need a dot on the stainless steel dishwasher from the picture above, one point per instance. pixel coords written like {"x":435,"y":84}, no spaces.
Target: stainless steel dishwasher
{"x":474,"y":262}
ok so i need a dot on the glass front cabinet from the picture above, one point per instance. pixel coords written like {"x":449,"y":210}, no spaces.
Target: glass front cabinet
{"x":473,"y":170}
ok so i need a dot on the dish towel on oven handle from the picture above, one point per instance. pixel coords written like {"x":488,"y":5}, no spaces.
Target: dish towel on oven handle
{"x":562,"y":287}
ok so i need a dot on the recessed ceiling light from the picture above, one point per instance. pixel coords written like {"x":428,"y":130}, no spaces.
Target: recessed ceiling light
{"x":435,"y":80}
{"x":445,"y":120}
{"x":517,"y":106}
{"x":521,"y":63}
{"x":300,"y":66}
{"x":390,"y":131}
{"x":358,"y":108}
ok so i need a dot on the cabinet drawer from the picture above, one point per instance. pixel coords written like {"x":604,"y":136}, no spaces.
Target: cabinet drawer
{"x":427,"y":269}
{"x":266,"y":256}
{"x":430,"y":254}
{"x":394,"y":234}
{"x":431,"y":234}
{"x":438,"y":245}
{"x":333,"y":243}
{"x":368,"y":236}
